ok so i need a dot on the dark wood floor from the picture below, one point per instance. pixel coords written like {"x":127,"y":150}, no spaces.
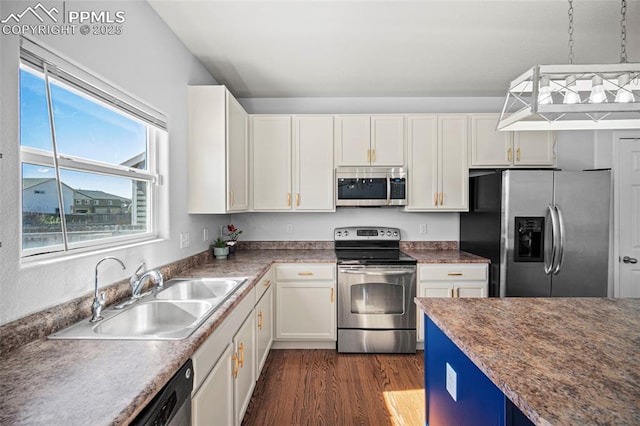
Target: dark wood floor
{"x":322,"y":387}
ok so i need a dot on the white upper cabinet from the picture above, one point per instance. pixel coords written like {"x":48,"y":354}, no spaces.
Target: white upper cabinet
{"x":387,"y":140}
{"x":292,"y":163}
{"x":217,"y":151}
{"x":534,"y":148}
{"x":271,"y":154}
{"x":313,"y":163}
{"x":438,"y":171}
{"x":491,"y":148}
{"x":369,"y":140}
{"x":353,"y":140}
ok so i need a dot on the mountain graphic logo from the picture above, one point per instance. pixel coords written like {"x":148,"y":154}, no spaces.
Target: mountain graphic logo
{"x":38,"y":11}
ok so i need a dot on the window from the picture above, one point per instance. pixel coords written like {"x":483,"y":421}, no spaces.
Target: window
{"x":82,"y":140}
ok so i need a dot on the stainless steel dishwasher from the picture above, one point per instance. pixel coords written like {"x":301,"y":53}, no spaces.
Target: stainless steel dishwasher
{"x":172,"y":405}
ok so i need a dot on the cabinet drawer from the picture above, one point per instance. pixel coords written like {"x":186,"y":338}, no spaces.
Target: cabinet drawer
{"x":453,"y":272}
{"x":310,"y":272}
{"x":264,"y":283}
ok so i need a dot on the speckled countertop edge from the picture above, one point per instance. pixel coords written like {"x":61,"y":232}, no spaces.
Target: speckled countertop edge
{"x":561,"y":361}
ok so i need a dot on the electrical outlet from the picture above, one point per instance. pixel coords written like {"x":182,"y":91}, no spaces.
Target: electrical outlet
{"x":289,"y":228}
{"x":184,"y":240}
{"x":452,"y":386}
{"x":205,"y":234}
{"x":423,"y":228}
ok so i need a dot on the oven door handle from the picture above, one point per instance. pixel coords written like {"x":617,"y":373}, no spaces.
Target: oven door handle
{"x":363,"y":272}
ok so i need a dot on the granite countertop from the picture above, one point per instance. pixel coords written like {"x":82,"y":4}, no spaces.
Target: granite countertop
{"x":444,"y":256}
{"x":562,"y":361}
{"x":108,"y":382}
{"x":99,"y":382}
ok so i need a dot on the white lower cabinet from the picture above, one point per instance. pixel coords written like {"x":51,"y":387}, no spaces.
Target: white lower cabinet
{"x":264,"y":328}
{"x":451,"y":280}
{"x":225,"y":369}
{"x":213,"y":403}
{"x":244,"y":367}
{"x":305,"y":302}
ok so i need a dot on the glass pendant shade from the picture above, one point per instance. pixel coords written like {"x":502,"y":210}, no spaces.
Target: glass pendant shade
{"x":598,"y":95}
{"x":624,"y":93}
{"x":544,"y":95}
{"x":571,"y":95}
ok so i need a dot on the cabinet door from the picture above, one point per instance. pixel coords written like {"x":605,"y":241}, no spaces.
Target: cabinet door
{"x":213,"y":403}
{"x":430,"y":289}
{"x":489,"y":147}
{"x":453,"y":168}
{"x":264,"y":329}
{"x":422,"y":138}
{"x":237,"y":156}
{"x":353,"y":140}
{"x":387,"y":140}
{"x":305,"y":310}
{"x":471,"y":289}
{"x":271,"y":150}
{"x":534,"y":148}
{"x":245,"y":379}
{"x":313,"y":163}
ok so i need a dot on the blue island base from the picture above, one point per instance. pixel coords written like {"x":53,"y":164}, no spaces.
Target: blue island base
{"x":457,"y":392}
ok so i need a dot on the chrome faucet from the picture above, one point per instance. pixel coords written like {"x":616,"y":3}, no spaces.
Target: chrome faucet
{"x":137,"y":281}
{"x":98,"y":301}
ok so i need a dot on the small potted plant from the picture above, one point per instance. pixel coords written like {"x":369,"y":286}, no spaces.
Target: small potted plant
{"x":220,"y":249}
{"x":233,"y":234}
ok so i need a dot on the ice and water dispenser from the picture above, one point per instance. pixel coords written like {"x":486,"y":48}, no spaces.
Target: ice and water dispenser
{"x":529,"y":239}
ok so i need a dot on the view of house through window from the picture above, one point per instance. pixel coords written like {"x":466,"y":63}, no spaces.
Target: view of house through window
{"x":86,"y":172}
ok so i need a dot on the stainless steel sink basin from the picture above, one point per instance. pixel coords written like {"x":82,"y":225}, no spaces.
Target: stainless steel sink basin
{"x":198,"y":288}
{"x":154,"y":318}
{"x":172,"y":313}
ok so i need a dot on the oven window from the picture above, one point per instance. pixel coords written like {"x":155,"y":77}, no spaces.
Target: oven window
{"x":377,"y":298}
{"x":362,"y":189}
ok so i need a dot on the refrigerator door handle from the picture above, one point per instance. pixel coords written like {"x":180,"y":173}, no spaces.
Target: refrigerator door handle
{"x":561,"y":241}
{"x":550,"y":241}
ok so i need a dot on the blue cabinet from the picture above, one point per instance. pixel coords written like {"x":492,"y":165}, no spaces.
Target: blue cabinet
{"x":457,"y":392}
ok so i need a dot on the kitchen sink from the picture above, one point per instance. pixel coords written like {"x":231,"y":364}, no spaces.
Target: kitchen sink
{"x":171,"y":313}
{"x":154,"y":318}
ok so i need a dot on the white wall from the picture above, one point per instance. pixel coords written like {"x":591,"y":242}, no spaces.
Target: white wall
{"x":148,"y":62}
{"x":319,"y":226}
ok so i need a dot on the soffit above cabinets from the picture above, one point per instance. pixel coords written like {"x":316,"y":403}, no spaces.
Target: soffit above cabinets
{"x":391,"y":48}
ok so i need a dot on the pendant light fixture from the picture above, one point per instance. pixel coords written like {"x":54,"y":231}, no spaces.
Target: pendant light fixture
{"x":576,"y":96}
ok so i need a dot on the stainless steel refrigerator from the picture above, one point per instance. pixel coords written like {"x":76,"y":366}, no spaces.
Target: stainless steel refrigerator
{"x":546,"y":232}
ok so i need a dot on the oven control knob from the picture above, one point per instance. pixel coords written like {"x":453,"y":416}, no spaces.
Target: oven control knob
{"x":395,"y":233}
{"x":346,"y":233}
{"x":339,"y":233}
{"x":388,"y":233}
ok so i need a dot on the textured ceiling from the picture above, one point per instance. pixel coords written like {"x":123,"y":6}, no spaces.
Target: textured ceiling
{"x":392,"y":48}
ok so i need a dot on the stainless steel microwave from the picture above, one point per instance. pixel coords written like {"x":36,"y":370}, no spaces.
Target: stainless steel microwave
{"x":371,"y":186}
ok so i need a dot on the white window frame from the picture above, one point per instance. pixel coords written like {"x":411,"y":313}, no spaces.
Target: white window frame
{"x":154,"y":122}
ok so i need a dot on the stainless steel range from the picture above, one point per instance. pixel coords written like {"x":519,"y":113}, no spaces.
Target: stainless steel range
{"x":376,"y":288}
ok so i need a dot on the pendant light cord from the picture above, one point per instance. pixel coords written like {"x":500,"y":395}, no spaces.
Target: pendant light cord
{"x":571,"y":31}
{"x":623,"y":32}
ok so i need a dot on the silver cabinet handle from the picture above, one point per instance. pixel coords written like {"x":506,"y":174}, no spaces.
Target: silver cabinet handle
{"x":628,"y":259}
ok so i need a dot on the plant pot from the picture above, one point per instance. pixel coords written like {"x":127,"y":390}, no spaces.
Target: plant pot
{"x":221,"y":252}
{"x":232,"y":249}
